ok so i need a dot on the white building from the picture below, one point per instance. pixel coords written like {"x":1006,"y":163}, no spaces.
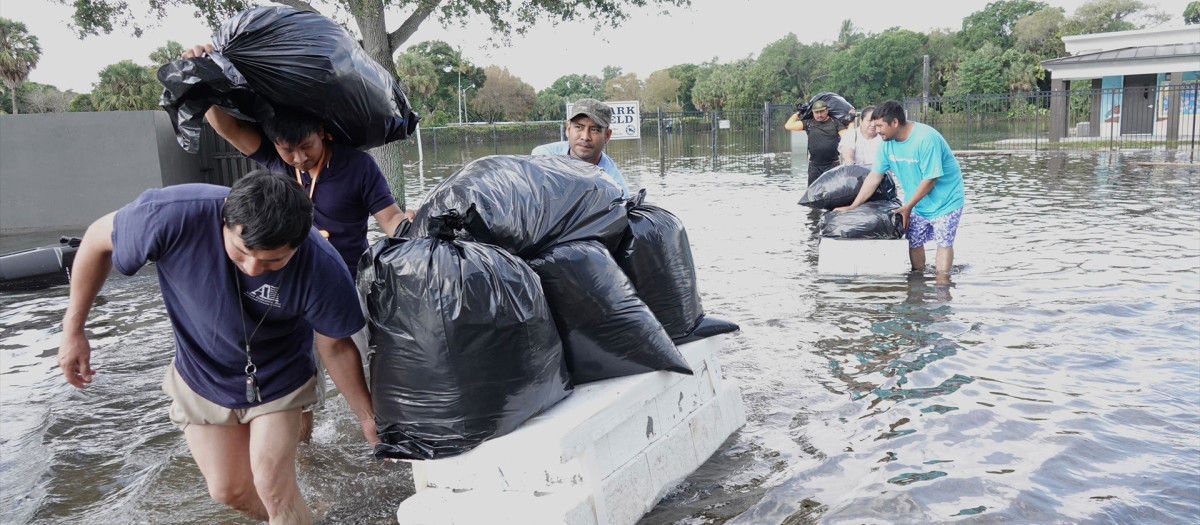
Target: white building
{"x":1144,"y":82}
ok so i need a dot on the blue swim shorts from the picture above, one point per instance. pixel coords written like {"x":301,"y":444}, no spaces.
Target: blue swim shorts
{"x":941,"y":229}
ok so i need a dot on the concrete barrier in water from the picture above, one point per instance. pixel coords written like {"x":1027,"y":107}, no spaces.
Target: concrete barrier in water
{"x":862,"y":256}
{"x":605,"y":455}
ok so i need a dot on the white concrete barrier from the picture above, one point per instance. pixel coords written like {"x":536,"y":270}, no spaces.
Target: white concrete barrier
{"x":605,"y":455}
{"x":862,"y":256}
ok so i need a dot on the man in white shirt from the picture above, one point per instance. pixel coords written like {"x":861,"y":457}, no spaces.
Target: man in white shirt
{"x":860,"y":146}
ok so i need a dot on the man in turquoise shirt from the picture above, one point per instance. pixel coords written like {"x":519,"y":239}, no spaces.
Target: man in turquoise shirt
{"x":921,"y":159}
{"x":587,"y":133}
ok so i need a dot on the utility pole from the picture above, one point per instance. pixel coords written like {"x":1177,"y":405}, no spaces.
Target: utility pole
{"x":460,"y":100}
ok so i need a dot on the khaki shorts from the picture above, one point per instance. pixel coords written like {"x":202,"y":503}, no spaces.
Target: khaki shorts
{"x":188,"y":407}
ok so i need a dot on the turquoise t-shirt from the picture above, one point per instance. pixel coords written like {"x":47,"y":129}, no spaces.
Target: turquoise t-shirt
{"x":924,"y":155}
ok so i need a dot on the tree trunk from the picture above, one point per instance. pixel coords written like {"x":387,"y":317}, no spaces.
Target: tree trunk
{"x":368,"y":14}
{"x":13,"y":91}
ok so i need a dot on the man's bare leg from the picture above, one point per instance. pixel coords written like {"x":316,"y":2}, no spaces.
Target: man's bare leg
{"x":273,"y":440}
{"x":917,"y":257}
{"x":306,"y":426}
{"x":223,"y":454}
{"x":944,"y":263}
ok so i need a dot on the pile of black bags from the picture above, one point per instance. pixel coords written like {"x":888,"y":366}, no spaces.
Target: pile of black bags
{"x":520,"y":277}
{"x":872,"y":219}
{"x":268,"y":57}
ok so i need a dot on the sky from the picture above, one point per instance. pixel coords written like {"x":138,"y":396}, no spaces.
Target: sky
{"x":725,"y":30}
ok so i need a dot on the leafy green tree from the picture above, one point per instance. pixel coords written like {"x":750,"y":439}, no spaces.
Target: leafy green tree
{"x":724,"y":86}
{"x":81,"y":103}
{"x":660,"y":91}
{"x":623,"y":87}
{"x":943,"y":59}
{"x":881,"y":67}
{"x":452,"y":72}
{"x":1040,"y":33}
{"x":548,"y":106}
{"x":994,"y":23}
{"x":19,"y":54}
{"x":503,"y":97}
{"x":686,"y":75}
{"x":420,"y":80}
{"x":1191,"y":13}
{"x":1103,"y":16}
{"x":126,"y":86}
{"x":979,"y":71}
{"x":166,"y":54}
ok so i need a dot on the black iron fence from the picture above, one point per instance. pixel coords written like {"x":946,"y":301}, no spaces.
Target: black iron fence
{"x":1089,"y":119}
{"x":1150,"y":117}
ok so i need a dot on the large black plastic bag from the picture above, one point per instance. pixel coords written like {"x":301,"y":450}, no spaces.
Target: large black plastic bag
{"x":870,"y":220}
{"x":656,"y":256}
{"x":293,"y":58}
{"x":839,"y":186}
{"x":465,"y":348}
{"x":527,"y":203}
{"x":607,"y":330}
{"x":839,"y":108}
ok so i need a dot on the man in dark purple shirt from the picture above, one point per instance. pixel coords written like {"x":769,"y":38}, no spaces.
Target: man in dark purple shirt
{"x":246,"y":280}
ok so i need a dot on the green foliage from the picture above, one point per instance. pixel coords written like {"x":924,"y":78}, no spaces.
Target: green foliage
{"x":19,"y":53}
{"x":979,"y":72}
{"x":503,"y":97}
{"x":724,"y":86}
{"x":686,"y":75}
{"x":1103,"y":16}
{"x":1191,"y":13}
{"x":165,"y":54}
{"x":661,"y":91}
{"x":1040,"y":33}
{"x":438,"y":70}
{"x":611,"y":72}
{"x":548,"y":106}
{"x":623,"y":87}
{"x":81,"y":103}
{"x":994,"y":23}
{"x":887,"y":66}
{"x":126,"y":86}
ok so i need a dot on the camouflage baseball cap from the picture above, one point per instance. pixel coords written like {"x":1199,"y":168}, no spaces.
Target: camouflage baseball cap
{"x":598,"y":111}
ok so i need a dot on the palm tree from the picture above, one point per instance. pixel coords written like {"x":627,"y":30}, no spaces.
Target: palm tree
{"x":126,"y":86}
{"x":19,"y":53}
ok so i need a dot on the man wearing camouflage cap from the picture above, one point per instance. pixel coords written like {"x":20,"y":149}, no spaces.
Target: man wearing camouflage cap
{"x":587,"y":133}
{"x":824,"y":134}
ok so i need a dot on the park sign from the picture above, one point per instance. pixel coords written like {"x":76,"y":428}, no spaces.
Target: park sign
{"x":626,"y":121}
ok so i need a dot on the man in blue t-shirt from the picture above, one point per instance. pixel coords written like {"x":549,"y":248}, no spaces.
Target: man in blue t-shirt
{"x":587,"y":134}
{"x":246,"y":280}
{"x":922,"y":161}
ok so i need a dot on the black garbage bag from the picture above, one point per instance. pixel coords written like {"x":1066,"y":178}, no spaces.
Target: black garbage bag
{"x":870,"y":220}
{"x":708,"y":326}
{"x":606,"y":329}
{"x":465,"y":348}
{"x":656,"y":256}
{"x":839,"y":186}
{"x":527,"y":203}
{"x":839,"y":108}
{"x":283,"y":57}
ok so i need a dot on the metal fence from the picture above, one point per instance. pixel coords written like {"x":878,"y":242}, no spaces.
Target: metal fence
{"x":1090,"y":119}
{"x":1150,"y":117}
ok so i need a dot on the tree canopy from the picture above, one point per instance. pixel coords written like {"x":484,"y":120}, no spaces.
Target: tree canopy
{"x":19,"y":54}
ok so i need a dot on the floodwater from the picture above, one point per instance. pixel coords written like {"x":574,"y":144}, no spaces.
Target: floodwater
{"x":1057,"y":380}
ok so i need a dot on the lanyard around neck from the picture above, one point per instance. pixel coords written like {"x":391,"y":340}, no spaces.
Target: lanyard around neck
{"x":324,"y":163}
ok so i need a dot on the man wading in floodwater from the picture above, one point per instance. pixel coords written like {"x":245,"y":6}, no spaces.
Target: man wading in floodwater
{"x":246,"y":280}
{"x":921,"y":159}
